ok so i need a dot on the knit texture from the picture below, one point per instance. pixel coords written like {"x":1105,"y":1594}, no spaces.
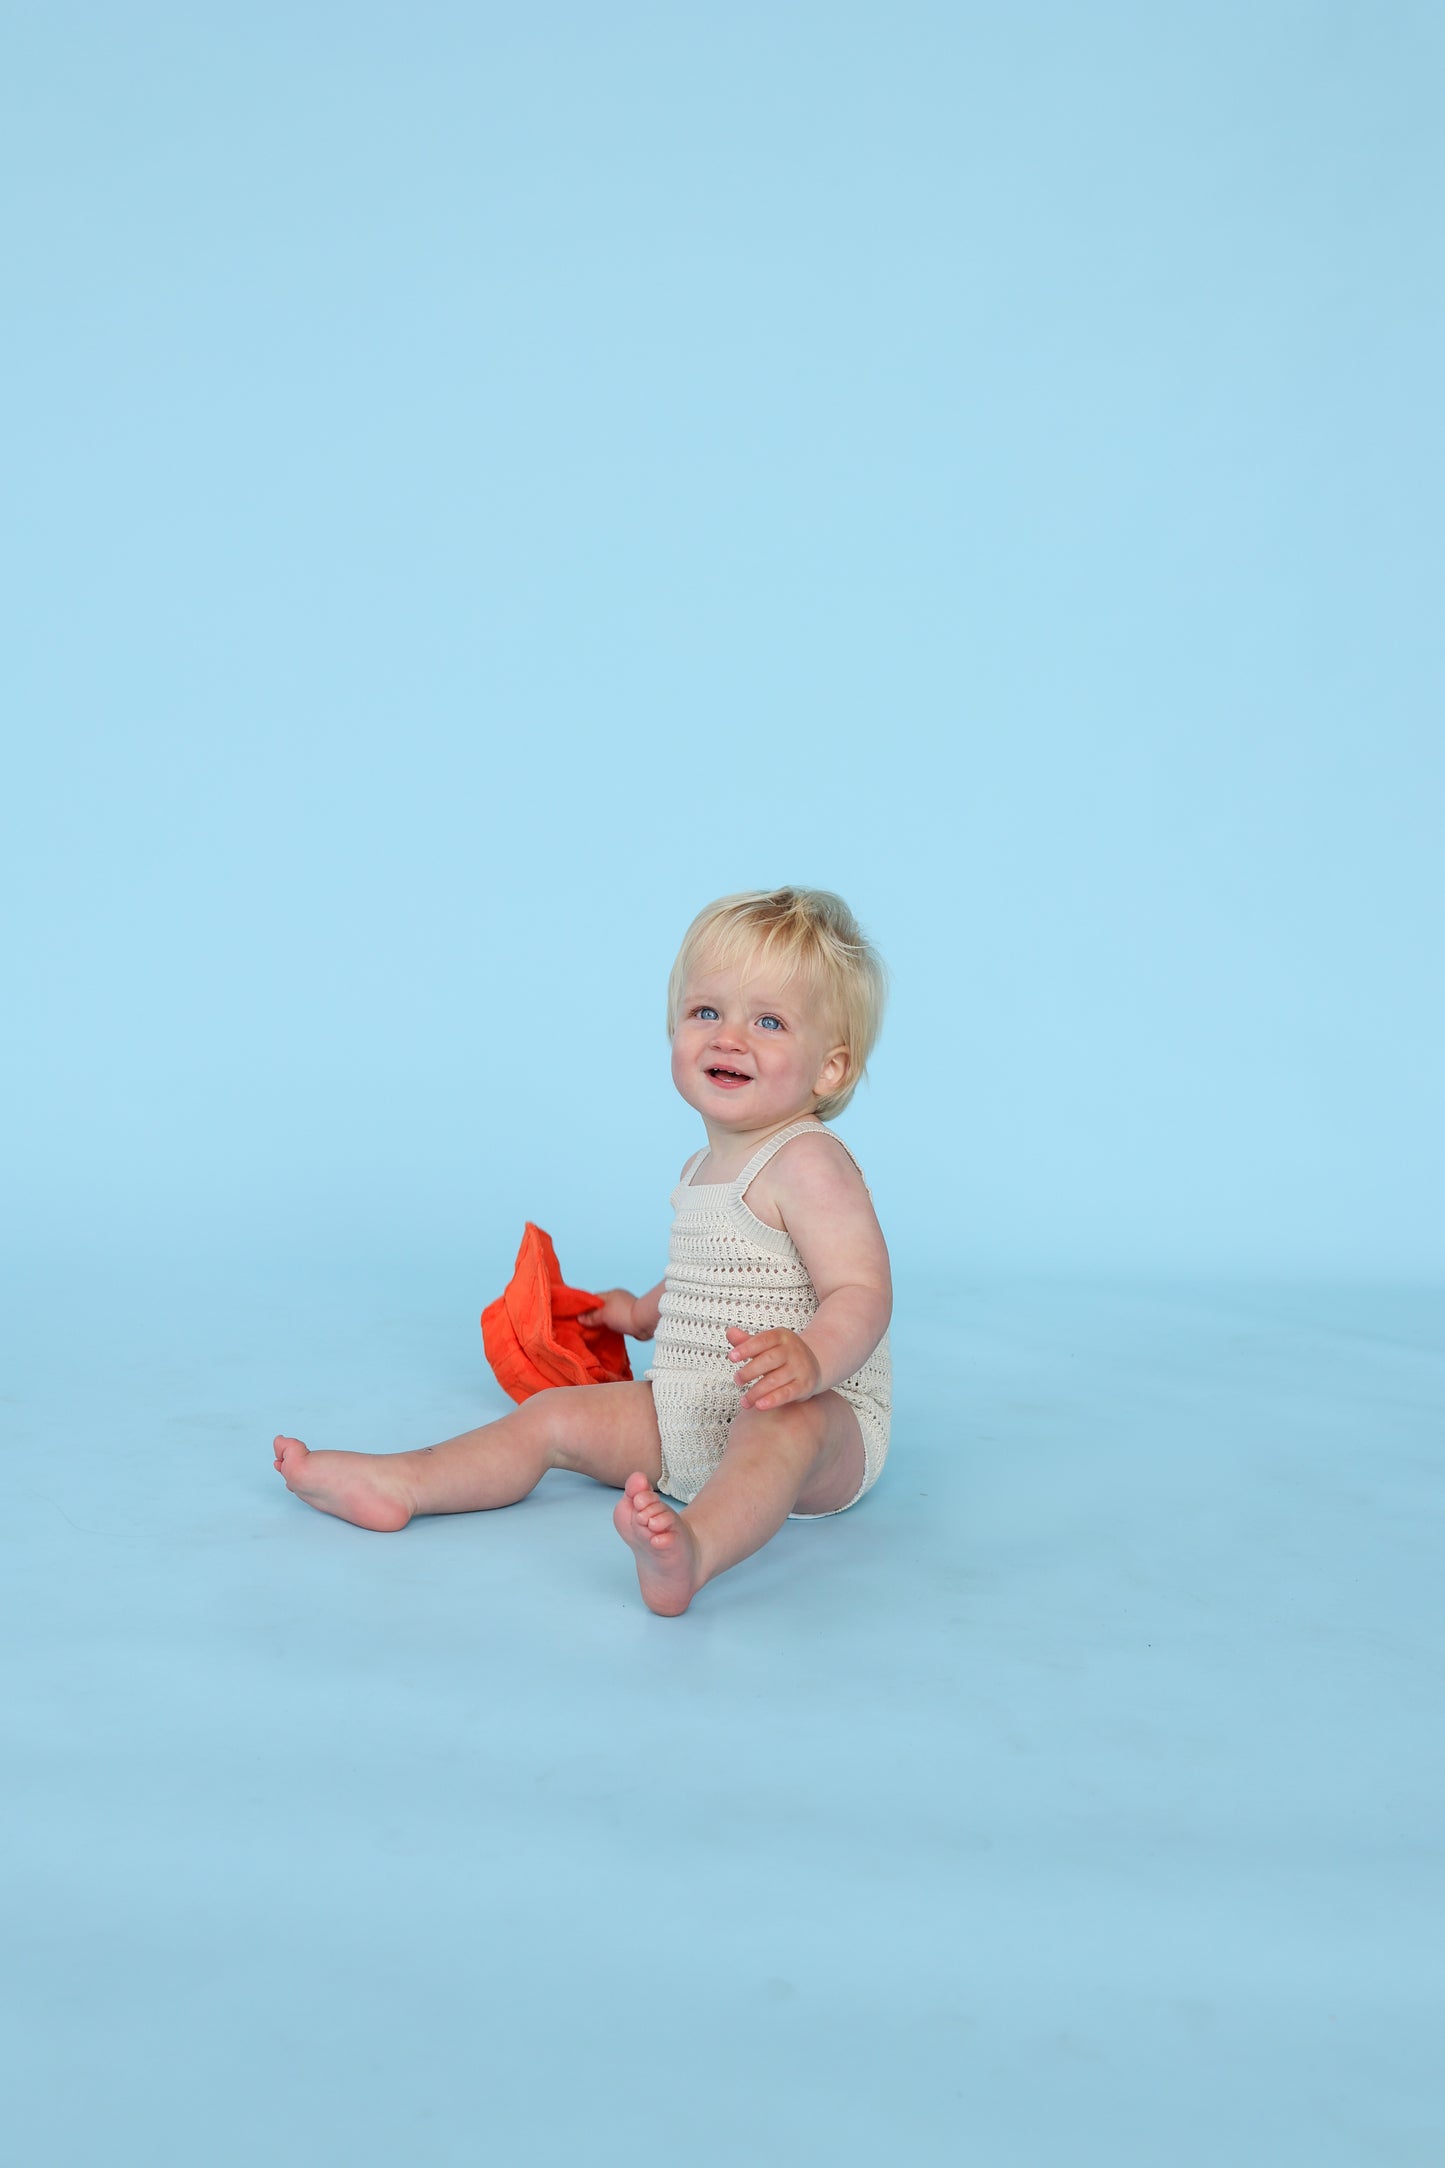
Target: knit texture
{"x":727,"y":1267}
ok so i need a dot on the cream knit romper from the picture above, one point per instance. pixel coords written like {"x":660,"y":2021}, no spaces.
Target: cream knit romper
{"x":726,"y":1267}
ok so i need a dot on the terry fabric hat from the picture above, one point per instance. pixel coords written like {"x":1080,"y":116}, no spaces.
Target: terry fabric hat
{"x":532,"y":1335}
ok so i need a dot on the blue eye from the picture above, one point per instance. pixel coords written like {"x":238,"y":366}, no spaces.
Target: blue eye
{"x":776,"y":1022}
{"x":704,"y":1011}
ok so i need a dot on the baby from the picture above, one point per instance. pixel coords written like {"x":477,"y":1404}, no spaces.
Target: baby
{"x":769,"y":1392}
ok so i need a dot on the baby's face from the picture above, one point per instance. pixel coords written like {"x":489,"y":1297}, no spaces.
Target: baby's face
{"x":750,"y":1051}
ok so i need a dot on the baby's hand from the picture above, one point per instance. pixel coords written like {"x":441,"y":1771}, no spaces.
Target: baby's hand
{"x":615,"y":1309}
{"x":773,"y":1367}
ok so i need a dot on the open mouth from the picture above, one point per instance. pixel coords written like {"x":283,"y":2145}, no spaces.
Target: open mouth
{"x":728,"y":1077}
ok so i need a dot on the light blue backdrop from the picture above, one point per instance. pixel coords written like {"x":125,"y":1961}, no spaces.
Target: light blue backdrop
{"x":477,"y":483}
{"x":482,"y":481}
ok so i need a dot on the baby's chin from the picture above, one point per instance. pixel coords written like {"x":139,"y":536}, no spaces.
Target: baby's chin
{"x":741,"y":1106}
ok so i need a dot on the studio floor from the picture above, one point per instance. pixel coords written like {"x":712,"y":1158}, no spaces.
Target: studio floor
{"x":1075,"y":1800}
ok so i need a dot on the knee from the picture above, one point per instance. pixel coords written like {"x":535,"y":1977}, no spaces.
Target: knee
{"x":553,"y":1415}
{"x":571,"y":1424}
{"x":799,"y":1423}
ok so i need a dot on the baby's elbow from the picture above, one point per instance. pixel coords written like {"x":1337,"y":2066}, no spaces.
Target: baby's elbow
{"x":877,"y":1306}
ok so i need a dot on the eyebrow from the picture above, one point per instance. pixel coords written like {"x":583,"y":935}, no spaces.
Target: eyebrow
{"x":769,"y":1005}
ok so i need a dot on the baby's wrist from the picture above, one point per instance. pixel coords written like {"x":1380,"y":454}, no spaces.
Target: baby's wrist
{"x":819,"y":1384}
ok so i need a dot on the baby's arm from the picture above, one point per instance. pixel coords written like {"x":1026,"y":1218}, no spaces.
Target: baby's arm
{"x":636,"y":1315}
{"x":829,"y":1214}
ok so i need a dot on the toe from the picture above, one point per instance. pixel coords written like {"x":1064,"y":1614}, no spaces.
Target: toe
{"x":636,"y":1485}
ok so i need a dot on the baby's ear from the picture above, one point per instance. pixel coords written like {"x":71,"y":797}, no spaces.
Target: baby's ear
{"x":832,"y":1073}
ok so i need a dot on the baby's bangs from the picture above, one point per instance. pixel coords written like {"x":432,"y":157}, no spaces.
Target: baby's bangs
{"x":787,"y":956}
{"x":734,"y":945}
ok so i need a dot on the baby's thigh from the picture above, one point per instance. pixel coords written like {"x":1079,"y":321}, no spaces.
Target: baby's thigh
{"x":606,"y":1431}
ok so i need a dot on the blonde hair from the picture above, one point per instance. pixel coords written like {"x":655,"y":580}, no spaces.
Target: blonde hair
{"x":812,"y":934}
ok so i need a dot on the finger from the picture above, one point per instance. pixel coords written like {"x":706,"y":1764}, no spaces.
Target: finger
{"x":761,"y":1366}
{"x":777,"y":1396}
{"x":753,"y":1344}
{"x":763,"y":1389}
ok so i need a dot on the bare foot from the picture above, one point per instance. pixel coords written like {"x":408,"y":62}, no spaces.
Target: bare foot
{"x":362,"y":1487}
{"x":663,"y":1545}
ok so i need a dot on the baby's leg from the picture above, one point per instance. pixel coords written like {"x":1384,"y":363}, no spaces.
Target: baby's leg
{"x":604,"y":1431}
{"x":808,"y":1455}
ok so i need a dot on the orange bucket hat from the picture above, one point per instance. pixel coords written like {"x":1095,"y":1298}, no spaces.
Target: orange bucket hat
{"x":532,"y":1335}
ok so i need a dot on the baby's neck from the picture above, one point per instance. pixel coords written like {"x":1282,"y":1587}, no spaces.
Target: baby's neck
{"x":729,"y":1150}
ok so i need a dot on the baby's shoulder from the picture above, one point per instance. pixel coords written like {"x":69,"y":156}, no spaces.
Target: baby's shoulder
{"x":816,"y":1148}
{"x":815,"y":1167}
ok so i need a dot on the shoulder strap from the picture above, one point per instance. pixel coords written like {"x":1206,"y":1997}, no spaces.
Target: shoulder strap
{"x":691,"y":1168}
{"x":765,"y":1152}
